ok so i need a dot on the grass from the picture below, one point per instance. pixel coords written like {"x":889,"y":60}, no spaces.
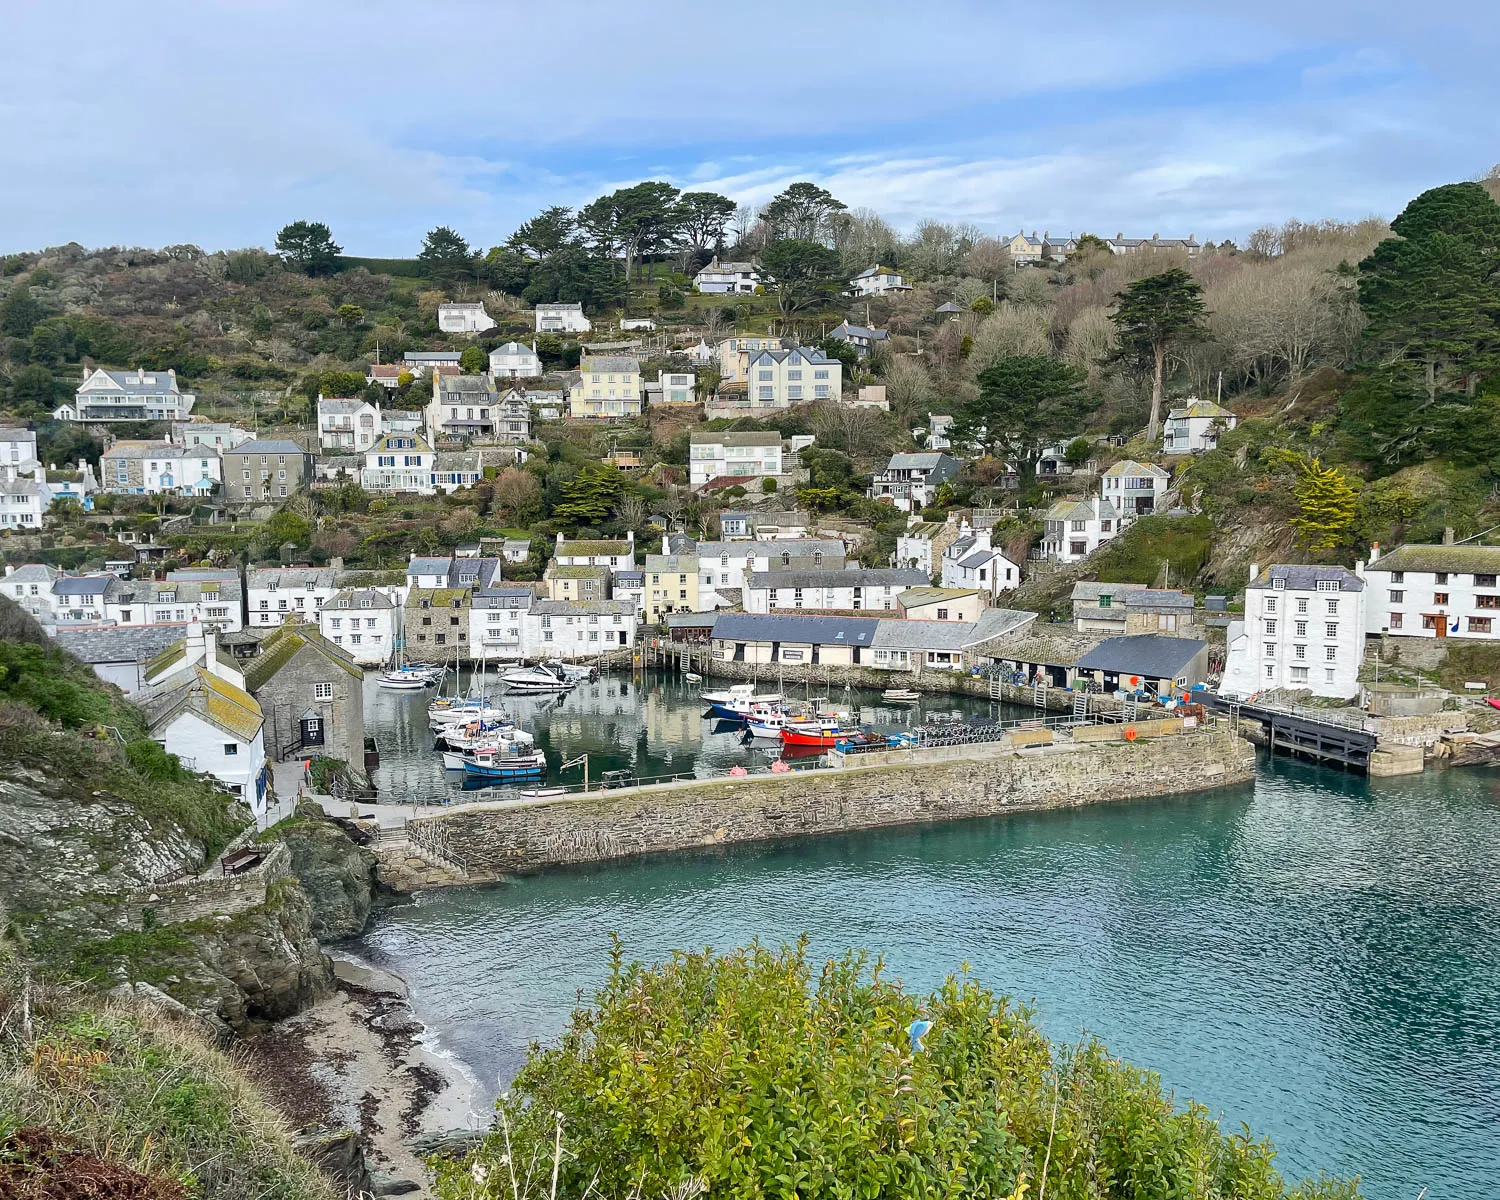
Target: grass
{"x":1183,"y":543}
{"x":135,"y":1087}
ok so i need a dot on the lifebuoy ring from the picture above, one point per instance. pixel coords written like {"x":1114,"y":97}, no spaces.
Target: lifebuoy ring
{"x":1130,"y":735}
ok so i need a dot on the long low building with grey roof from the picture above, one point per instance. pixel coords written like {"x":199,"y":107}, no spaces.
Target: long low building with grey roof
{"x":829,"y":590}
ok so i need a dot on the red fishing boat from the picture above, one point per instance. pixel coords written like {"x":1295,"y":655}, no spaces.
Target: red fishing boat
{"x":812,"y":733}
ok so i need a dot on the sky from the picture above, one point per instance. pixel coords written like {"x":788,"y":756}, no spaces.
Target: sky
{"x":218,"y":121}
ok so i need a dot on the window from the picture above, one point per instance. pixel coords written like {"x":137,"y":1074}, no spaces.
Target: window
{"x":1270,"y":649}
{"x":336,"y":623}
{"x":1279,"y":584}
{"x":1395,"y":621}
{"x":1440,"y":598}
{"x":1484,"y":581}
{"x":1428,"y":621}
{"x":1270,"y":604}
{"x":1330,"y":653}
{"x":1480,"y":624}
{"x":1333,"y":608}
{"x":1302,"y":604}
{"x":1331,"y":629}
{"x":322,"y":691}
{"x":1270,"y":627}
{"x":1487,"y":601}
{"x":1396,"y":596}
{"x":1440,"y":578}
{"x":1270,"y":671}
{"x":1328,"y":585}
{"x":942,"y":614}
{"x":1299,"y":674}
{"x":1300,"y":628}
{"x":231,"y":749}
{"x":1299,"y":651}
{"x":1398,"y":576}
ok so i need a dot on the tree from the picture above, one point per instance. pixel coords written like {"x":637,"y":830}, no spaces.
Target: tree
{"x":1326,"y":501}
{"x":588,"y":497}
{"x":445,"y":257}
{"x":703,"y":217}
{"x":646,"y":220}
{"x":518,"y":495}
{"x":350,"y":314}
{"x":20,"y":313}
{"x":988,"y":259}
{"x":286,"y":526}
{"x":1089,"y":243}
{"x":764,"y":1072}
{"x":844,"y":352}
{"x":32,"y":391}
{"x":806,"y":273}
{"x":1024,"y":402}
{"x":340,"y":384}
{"x":1079,"y":451}
{"x":1429,"y":294}
{"x":546,"y":233}
{"x":804,"y":213}
{"x":309,"y":246}
{"x":473,"y":360}
{"x":1154,"y":315}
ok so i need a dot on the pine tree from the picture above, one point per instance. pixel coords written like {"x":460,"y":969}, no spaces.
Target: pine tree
{"x":1153,"y":315}
{"x":1325,"y":498}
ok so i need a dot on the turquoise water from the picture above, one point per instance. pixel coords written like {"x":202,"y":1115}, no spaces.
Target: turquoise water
{"x":1316,"y":955}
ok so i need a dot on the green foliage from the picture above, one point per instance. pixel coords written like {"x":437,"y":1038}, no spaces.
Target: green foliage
{"x":1024,"y":401}
{"x":1078,"y":451}
{"x":1183,"y":544}
{"x":473,"y":360}
{"x":1152,"y":316}
{"x":33,"y":391}
{"x":351,"y":314}
{"x":445,"y":256}
{"x":37,"y":676}
{"x":806,"y":273}
{"x":286,"y":526}
{"x":20,"y":313}
{"x":152,"y":761}
{"x":804,"y":212}
{"x":844,"y":352}
{"x":703,"y":217}
{"x":1325,"y":498}
{"x":589,"y":497}
{"x":309,"y":247}
{"x":768,"y":486}
{"x":984,"y":306}
{"x":755,"y":1074}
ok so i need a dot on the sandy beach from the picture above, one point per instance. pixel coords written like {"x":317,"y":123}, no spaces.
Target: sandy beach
{"x":356,"y":1059}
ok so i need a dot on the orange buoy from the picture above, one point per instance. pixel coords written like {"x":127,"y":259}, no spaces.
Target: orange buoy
{"x":1130,"y":735}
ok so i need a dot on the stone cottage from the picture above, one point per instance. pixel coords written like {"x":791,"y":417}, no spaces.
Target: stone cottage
{"x":311,"y":694}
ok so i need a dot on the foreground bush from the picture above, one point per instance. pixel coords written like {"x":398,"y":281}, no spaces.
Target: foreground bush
{"x":745,"y":1075}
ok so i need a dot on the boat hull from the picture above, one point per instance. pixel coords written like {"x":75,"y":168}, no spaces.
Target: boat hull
{"x":525,"y":767}
{"x":811,"y":737}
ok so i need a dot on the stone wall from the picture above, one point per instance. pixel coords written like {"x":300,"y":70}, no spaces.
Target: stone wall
{"x":209,"y":895}
{"x":988,"y":780}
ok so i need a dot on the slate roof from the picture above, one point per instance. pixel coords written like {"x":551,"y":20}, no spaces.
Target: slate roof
{"x":431,"y":356}
{"x":1081,"y":510}
{"x":619,"y":363}
{"x":812,"y":357}
{"x":796,"y":547}
{"x":1479,"y":560}
{"x":289,"y":577}
{"x":356,"y":598}
{"x":1306,"y":578}
{"x":980,"y":558}
{"x":331,"y":406}
{"x":32,"y":573}
{"x":457,"y":385}
{"x":894,"y":634}
{"x":877,"y":269}
{"x":999,"y":622}
{"x":1148,"y":655}
{"x":1089,"y":590}
{"x":734,"y":439}
{"x":837,"y":577}
{"x":153,"y":383}
{"x":1129,"y":467}
{"x":117,"y":643}
{"x":950,"y":307}
{"x":778,"y":627}
{"x":174,"y":591}
{"x":917,"y":462}
{"x":137,"y":449}
{"x":1053,"y":646}
{"x":279,"y":647}
{"x":1199,"y":408}
{"x":513,"y":348}
{"x":82,"y":585}
{"x":671,"y":562}
{"x":913,"y":597}
{"x":270,"y":446}
{"x":573,"y":608}
{"x":1158,"y":598}
{"x":216,"y":700}
{"x":577,"y":571}
{"x":847,"y":332}
{"x":429,"y":566}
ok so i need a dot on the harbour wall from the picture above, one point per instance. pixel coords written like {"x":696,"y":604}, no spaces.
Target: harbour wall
{"x":493,"y":840}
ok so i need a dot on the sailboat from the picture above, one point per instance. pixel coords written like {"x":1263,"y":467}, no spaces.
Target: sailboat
{"x":400,"y":677}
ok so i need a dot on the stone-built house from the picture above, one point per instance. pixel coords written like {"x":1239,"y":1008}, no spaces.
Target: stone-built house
{"x":214,"y":726}
{"x":569,"y":582}
{"x":272,"y":469}
{"x":311,"y":694}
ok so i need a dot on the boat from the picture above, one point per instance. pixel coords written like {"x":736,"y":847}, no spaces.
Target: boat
{"x":813,"y":733}
{"x":544,"y":793}
{"x":693,"y":677}
{"x":544,"y":677}
{"x":770,"y":724}
{"x":578,"y":672}
{"x":901,"y":695}
{"x":740,"y":701}
{"x":409,"y":679}
{"x":476,"y":708}
{"x":1492,"y":702}
{"x":497,"y":764}
{"x":462,"y":745}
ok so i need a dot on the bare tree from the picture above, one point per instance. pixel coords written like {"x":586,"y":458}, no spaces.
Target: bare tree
{"x":988,"y":259}
{"x":1091,"y":340}
{"x":907,"y":388}
{"x":1011,"y":329}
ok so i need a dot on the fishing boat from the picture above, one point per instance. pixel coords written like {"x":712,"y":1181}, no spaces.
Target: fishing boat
{"x":900,"y":695}
{"x":544,"y":677}
{"x":769,"y":724}
{"x":812,"y":733}
{"x":497,"y":764}
{"x":739,"y":702}
{"x":462,"y":745}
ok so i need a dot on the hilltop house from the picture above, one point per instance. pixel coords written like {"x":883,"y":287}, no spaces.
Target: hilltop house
{"x":910,"y":481}
{"x":728,"y":278}
{"x":1134,"y":488}
{"x":1024,"y":251}
{"x":861,"y":337}
{"x":738,"y":456}
{"x":1194,"y":427}
{"x":609,"y":388}
{"x":1304,"y":628}
{"x":462,"y":406}
{"x":346,"y":426}
{"x":561,"y":318}
{"x":1076,"y":528}
{"x":468,"y":317}
{"x":971,"y":561}
{"x":1120,"y":244}
{"x":138,"y":395}
{"x":515,"y":361}
{"x":399,"y":464}
{"x":877,"y":281}
{"x":595,"y":553}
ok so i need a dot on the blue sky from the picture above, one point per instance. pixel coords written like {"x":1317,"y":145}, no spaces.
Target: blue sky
{"x":217,"y":121}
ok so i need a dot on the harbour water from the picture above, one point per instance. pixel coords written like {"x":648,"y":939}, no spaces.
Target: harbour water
{"x":1315,"y":955}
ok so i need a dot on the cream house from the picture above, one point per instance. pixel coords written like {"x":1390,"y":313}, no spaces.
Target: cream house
{"x":138,"y":395}
{"x":877,"y":281}
{"x":610,"y":388}
{"x":464,"y":318}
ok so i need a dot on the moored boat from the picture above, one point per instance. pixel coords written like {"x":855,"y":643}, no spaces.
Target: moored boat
{"x":409,"y":679}
{"x":544,"y":677}
{"x":739,"y":702}
{"x":812,"y":733}
{"x":498,"y":764}
{"x":900,"y":695}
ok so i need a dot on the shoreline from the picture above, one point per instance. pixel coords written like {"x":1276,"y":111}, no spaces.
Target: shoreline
{"x":360,"y":1059}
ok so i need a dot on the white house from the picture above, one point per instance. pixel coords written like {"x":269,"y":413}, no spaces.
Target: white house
{"x":781,"y":378}
{"x":272,"y":594}
{"x":30,"y":587}
{"x":732,"y":455}
{"x":1194,"y":427}
{"x":138,"y":395}
{"x":972,"y":561}
{"x":457,"y":469}
{"x":1076,"y":528}
{"x":582,"y":552}
{"x":24,"y":499}
{"x":496,"y":616}
{"x":633,"y":324}
{"x":727,"y":278}
{"x":910,"y":481}
{"x":216,"y":435}
{"x":1120,"y":244}
{"x":938,"y":427}
{"x":150,"y":468}
{"x":419,"y":362}
{"x":79,"y":599}
{"x":737,"y":525}
{"x":724,"y":567}
{"x":362,"y":621}
{"x":1134,"y":488}
{"x":17,"y":449}
{"x":671,"y":387}
{"x":402,"y":420}
{"x":877,"y":281}
{"x":399,"y":463}
{"x":388,"y":375}
{"x":702,"y":354}
{"x":213,"y":726}
{"x":561,"y":318}
{"x":859,"y":590}
{"x":76,"y":483}
{"x":209,"y":595}
{"x":1434,"y":592}
{"x":1304,"y":628}
{"x":464,"y":318}
{"x":515,"y":360}
{"x":347,"y":426}
{"x":578,"y":629}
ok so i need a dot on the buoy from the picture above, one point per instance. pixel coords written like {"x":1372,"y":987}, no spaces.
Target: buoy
{"x":1130,"y":735}
{"x":738,"y":771}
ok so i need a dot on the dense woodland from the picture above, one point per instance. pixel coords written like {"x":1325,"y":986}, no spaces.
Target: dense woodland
{"x":1359,"y":356}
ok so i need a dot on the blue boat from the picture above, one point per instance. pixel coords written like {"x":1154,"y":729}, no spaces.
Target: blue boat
{"x":497,"y":765}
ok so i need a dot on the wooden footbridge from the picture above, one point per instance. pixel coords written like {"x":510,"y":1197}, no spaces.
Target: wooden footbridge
{"x":1324,"y":736}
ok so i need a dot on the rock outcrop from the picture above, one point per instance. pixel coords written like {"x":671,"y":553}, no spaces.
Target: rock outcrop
{"x":337,"y":873}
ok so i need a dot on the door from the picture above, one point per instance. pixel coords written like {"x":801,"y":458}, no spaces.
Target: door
{"x":312,"y":731}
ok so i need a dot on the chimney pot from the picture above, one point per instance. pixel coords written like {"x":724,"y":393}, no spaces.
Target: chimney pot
{"x":1448,"y":535}
{"x":1254,"y":571}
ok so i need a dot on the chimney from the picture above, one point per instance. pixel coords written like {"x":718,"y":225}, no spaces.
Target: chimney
{"x":10,"y":568}
{"x":1374,"y":553}
{"x":1254,"y":572}
{"x":337,"y":562}
{"x":197,"y":647}
{"x":140,"y":374}
{"x":1448,"y":535}
{"x":1119,"y":237}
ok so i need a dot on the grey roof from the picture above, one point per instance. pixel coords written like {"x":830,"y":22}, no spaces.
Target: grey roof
{"x":512,"y":348}
{"x":504,"y":597}
{"x":1158,"y":598}
{"x":32,"y":573}
{"x":609,"y":362}
{"x":21,"y":487}
{"x":1089,"y":590}
{"x":199,"y":574}
{"x":153,"y":383}
{"x":432,"y":356}
{"x":334,"y":407}
{"x":289,"y":577}
{"x":136,"y":449}
{"x":117,"y":643}
{"x":565,"y":608}
{"x":794,"y":546}
{"x":776,"y":627}
{"x":270,"y":446}
{"x":950,"y":307}
{"x":82,"y":585}
{"x":185,"y":591}
{"x":846,"y":332}
{"x":1082,"y":510}
{"x":670,"y":562}
{"x":839,"y":577}
{"x":15,"y":433}
{"x":917,"y":462}
{"x":574,"y":305}
{"x":735,"y":439}
{"x":1129,"y":467}
{"x":458,"y":460}
{"x":980,"y":558}
{"x":811,"y":356}
{"x":626,"y":577}
{"x":1464,"y":559}
{"x":695,"y":620}
{"x":893,"y":634}
{"x":1306,"y":578}
{"x":1148,"y":655}
{"x":428,"y":566}
{"x":357,"y":597}
{"x":877,"y":269}
{"x":997,"y":622}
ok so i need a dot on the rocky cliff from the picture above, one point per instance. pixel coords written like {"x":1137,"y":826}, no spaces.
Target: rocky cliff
{"x":336,"y":872}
